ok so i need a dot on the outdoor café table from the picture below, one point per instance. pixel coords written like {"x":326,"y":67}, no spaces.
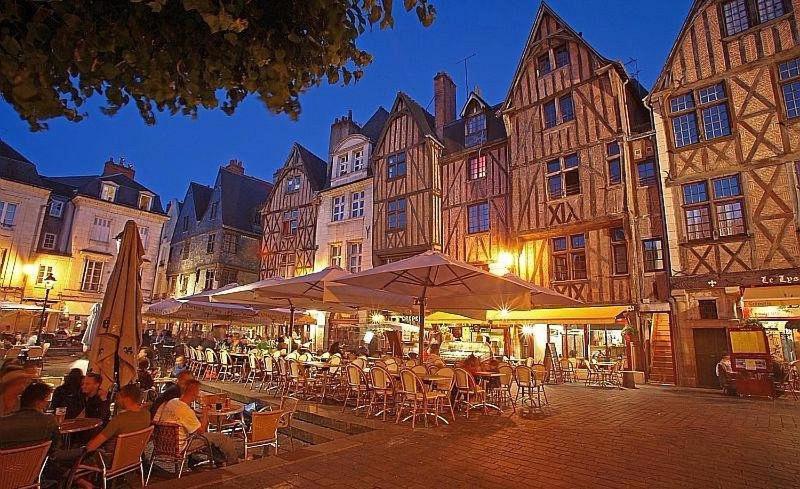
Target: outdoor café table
{"x":71,"y":426}
{"x":219,"y":415}
{"x":320,"y":365}
{"x":485,"y":377}
{"x":605,"y":367}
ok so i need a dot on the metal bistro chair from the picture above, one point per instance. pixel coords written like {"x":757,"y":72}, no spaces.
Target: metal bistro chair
{"x":383,"y":392}
{"x":127,"y":458}
{"x":357,"y":387}
{"x":328,"y":379}
{"x":468,"y":392}
{"x":445,"y":388}
{"x":420,"y":369}
{"x":268,"y":374}
{"x":226,"y":368}
{"x":568,"y":370}
{"x":166,"y":447}
{"x":22,"y":467}
{"x":254,"y":371}
{"x":212,"y":365}
{"x":288,"y":406}
{"x":263,"y":431}
{"x":527,"y":387}
{"x":504,"y":391}
{"x":415,"y":398}
{"x":593,"y":374}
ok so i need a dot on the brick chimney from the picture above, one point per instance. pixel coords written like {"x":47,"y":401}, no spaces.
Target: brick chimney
{"x":444,"y":95}
{"x":111,"y":167}
{"x":341,"y":128}
{"x":235,"y":166}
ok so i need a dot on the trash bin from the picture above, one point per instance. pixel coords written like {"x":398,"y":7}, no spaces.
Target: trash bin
{"x":629,"y":379}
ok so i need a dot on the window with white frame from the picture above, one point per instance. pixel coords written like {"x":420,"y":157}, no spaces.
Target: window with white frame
{"x":8,"y":212}
{"x":343,"y":164}
{"x":49,"y":241}
{"x":569,"y":257}
{"x":354,"y":256}
{"x":101,"y":229}
{"x":475,"y":130}
{"x":291,"y":220}
{"x":357,"y":204}
{"x":108,"y":192}
{"x":358,"y":159}
{"x":337,"y":209}
{"x":144,"y":235}
{"x":145,"y":201}
{"x":44,"y":271}
{"x":286,"y":265}
{"x":653,"y":254}
{"x":92,"y":273}
{"x":558,"y":111}
{"x":726,"y":202}
{"x":209,"y":282}
{"x":711,"y":110}
{"x":563,"y":177}
{"x":789,"y":74}
{"x":396,"y":214}
{"x":293,"y":184}
{"x":335,"y":257}
{"x":477,"y":167}
{"x":56,"y":208}
{"x":740,"y":15}
{"x":396,"y":165}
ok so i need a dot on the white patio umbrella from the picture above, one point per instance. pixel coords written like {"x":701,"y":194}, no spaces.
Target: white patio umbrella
{"x":434,"y":277}
{"x":199,"y":310}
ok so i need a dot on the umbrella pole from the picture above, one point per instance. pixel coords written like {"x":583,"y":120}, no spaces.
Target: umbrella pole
{"x":291,"y":327}
{"x":421,"y":329}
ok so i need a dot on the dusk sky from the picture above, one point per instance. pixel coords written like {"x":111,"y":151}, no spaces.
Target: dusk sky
{"x":180,"y":149}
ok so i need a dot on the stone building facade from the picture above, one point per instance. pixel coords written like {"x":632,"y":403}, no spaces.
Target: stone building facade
{"x":217,"y":233}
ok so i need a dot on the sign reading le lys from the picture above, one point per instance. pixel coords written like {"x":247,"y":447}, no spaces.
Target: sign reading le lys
{"x":780,"y":279}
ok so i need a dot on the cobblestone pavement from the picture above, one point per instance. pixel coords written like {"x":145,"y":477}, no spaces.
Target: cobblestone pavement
{"x":649,"y":437}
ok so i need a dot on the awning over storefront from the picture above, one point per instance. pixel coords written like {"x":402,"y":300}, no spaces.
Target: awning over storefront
{"x":17,"y":307}
{"x":451,"y":318}
{"x":778,"y":295}
{"x":562,"y":315}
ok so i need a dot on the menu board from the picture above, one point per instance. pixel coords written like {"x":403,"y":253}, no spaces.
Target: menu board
{"x":748,"y":341}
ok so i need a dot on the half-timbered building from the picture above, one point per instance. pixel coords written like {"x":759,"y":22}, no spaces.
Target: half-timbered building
{"x":406,"y":184}
{"x":727,"y":116}
{"x":290,"y":215}
{"x":584,"y":196}
{"x":475,"y":180}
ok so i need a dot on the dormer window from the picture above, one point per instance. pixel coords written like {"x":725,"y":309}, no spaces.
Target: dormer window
{"x":293,"y":184}
{"x":343,"y":164}
{"x":145,"y":201}
{"x":108,"y":192}
{"x":56,"y":208}
{"x":358,"y":159}
{"x":475,"y":130}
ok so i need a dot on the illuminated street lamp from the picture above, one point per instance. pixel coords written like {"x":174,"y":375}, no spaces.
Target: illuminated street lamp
{"x":49,"y":281}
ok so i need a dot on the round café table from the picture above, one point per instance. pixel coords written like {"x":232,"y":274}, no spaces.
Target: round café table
{"x":220,"y":415}
{"x":69,"y":427}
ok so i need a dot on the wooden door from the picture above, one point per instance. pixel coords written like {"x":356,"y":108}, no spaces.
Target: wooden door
{"x":710,"y":344}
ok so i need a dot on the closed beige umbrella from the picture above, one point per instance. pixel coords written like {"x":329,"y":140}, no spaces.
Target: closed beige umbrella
{"x":119,"y":331}
{"x":451,"y":284}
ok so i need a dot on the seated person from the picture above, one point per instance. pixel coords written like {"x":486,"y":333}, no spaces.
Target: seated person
{"x":726,"y":376}
{"x":179,"y":367}
{"x":132,"y":417}
{"x":143,"y":375}
{"x":471,"y":364}
{"x":171,"y":392}
{"x":12,"y":384}
{"x":95,"y":404}
{"x":29,"y":425}
{"x":179,"y":411}
{"x":433,"y":358}
{"x":68,"y":395}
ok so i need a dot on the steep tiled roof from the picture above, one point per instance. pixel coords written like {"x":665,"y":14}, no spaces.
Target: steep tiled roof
{"x":316,"y":168}
{"x":242,"y":196}
{"x":91,"y":186}
{"x":201,"y":195}
{"x":14,"y":166}
{"x":373,"y":127}
{"x":424,"y":119}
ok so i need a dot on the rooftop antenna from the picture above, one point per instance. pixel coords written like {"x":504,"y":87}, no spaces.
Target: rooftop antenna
{"x":632,"y":66}
{"x":466,"y":71}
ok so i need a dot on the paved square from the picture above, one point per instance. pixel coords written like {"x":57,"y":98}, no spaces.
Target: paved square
{"x":649,"y":437}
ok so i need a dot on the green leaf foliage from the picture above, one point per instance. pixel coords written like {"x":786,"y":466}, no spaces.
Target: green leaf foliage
{"x":181,"y":55}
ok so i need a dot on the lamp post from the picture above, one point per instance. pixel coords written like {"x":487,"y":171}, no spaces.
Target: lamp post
{"x":49,"y":282}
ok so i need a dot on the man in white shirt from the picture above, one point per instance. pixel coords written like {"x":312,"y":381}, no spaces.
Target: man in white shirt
{"x":179,"y":411}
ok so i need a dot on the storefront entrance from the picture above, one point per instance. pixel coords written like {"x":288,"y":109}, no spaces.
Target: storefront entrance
{"x":710,"y":344}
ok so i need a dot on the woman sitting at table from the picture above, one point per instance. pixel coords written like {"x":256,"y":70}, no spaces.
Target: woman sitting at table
{"x":143,"y":375}
{"x":68,"y":395}
{"x":471,"y":364}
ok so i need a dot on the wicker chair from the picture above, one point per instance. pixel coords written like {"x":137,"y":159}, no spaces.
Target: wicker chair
{"x":22,"y":467}
{"x":263,"y":431}
{"x":298,"y":381}
{"x":593,"y":374}
{"x":568,"y":370}
{"x":357,"y":387}
{"x":288,"y":407}
{"x":416,"y":399}
{"x":360,"y":363}
{"x":409,"y":363}
{"x":420,"y":369}
{"x":254,"y":371}
{"x":127,"y":458}
{"x":226,"y":370}
{"x":445,"y":388}
{"x":383,"y":392}
{"x":212,"y":365}
{"x":167,"y":447}
{"x":504,"y":390}
{"x":528,"y":386}
{"x":328,"y":379}
{"x":268,"y":381}
{"x":468,"y":392}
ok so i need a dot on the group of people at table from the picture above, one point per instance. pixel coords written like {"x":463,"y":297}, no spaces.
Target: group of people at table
{"x":76,"y":417}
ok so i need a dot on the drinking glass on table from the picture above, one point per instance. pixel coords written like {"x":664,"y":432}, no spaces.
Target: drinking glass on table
{"x":61,"y":414}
